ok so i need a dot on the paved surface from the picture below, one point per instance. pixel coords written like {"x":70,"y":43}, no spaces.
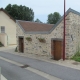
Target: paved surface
{"x":13,"y":72}
{"x":61,"y":72}
{"x":67,"y":63}
{"x":45,"y":75}
{"x":3,"y":78}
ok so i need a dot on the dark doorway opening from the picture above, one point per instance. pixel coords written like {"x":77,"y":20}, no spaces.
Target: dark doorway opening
{"x":21,"y":45}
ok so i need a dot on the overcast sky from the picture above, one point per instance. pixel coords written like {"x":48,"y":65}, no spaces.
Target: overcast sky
{"x":42,"y":8}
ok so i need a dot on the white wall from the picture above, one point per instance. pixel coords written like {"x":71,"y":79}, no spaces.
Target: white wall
{"x":10,"y":27}
{"x":3,"y":39}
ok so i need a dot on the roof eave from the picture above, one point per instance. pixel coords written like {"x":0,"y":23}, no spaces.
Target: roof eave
{"x":48,"y":32}
{"x":8,"y":14}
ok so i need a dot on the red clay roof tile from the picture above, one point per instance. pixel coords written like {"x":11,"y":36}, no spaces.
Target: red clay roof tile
{"x":34,"y":26}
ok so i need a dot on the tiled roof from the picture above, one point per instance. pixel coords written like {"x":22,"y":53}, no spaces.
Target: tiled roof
{"x":34,"y":26}
{"x":48,"y":28}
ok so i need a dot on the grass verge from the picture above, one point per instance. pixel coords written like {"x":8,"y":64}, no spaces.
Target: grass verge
{"x":76,"y":57}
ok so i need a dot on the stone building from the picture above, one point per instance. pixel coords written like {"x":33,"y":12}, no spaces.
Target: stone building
{"x":47,"y":39}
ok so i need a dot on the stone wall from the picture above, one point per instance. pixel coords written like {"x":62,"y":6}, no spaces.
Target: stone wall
{"x":74,"y":34}
{"x":72,"y":37}
{"x":36,"y":47}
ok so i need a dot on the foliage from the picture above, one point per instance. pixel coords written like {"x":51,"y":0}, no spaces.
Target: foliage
{"x":76,"y":57}
{"x":20,"y":12}
{"x":42,"y":40}
{"x":1,"y":44}
{"x":29,"y":39}
{"x":37,"y":20}
{"x":16,"y":50}
{"x":53,"y":18}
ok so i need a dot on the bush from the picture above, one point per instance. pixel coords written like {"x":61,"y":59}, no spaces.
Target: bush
{"x":42,"y":40}
{"x":16,"y":50}
{"x":76,"y":57}
{"x":29,"y":39}
{"x":1,"y":44}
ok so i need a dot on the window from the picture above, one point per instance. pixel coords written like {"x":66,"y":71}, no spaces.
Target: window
{"x":2,"y":29}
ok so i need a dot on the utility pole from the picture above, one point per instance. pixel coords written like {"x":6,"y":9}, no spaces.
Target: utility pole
{"x":64,"y":34}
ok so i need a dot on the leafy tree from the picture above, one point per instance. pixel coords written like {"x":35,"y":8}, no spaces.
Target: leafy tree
{"x":37,"y":20}
{"x":53,"y":17}
{"x":20,"y":12}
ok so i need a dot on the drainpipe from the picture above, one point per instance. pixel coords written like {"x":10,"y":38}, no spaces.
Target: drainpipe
{"x":64,"y":34}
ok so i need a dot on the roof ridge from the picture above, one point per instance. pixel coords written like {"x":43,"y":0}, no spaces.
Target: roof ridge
{"x":54,"y":26}
{"x":1,"y":9}
{"x":67,"y":12}
{"x":74,"y":11}
{"x":34,"y":22}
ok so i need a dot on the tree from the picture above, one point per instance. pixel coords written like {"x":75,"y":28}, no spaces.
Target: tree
{"x":37,"y":20}
{"x":20,"y":12}
{"x":53,"y":18}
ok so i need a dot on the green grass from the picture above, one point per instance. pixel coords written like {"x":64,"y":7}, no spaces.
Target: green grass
{"x":76,"y":57}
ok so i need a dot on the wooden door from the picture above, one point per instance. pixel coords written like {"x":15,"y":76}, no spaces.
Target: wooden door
{"x":57,"y":50}
{"x":21,"y":49}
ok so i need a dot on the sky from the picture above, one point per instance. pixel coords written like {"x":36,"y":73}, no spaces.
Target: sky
{"x":42,"y":8}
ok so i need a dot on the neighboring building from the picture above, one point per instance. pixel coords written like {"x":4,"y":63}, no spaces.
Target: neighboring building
{"x":46,"y":39}
{"x":7,"y":29}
